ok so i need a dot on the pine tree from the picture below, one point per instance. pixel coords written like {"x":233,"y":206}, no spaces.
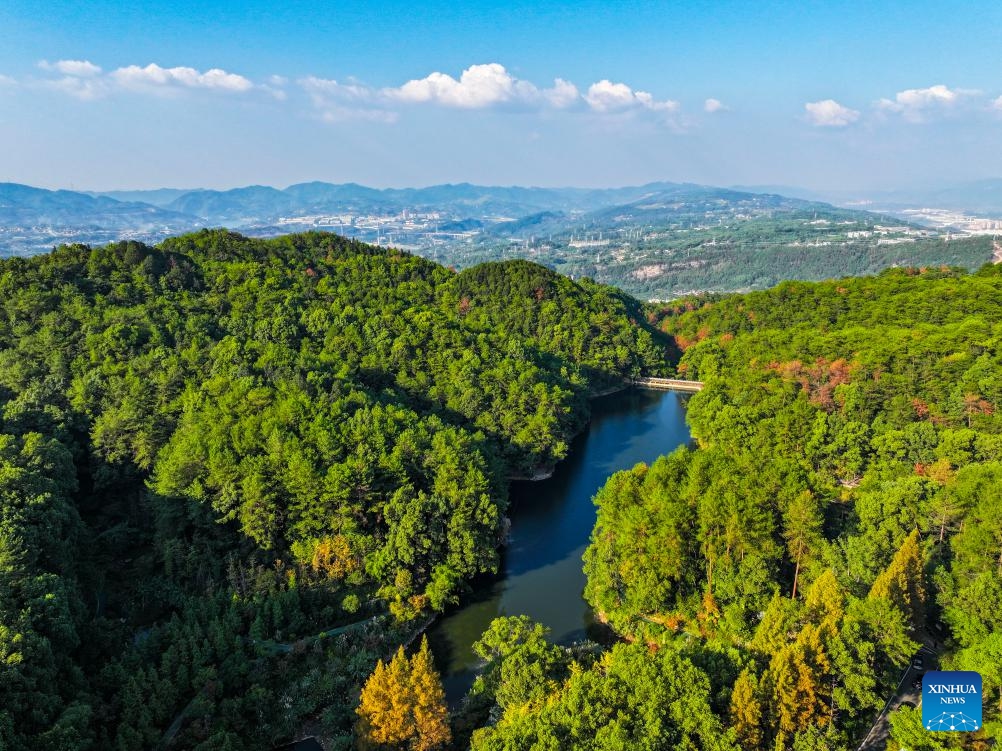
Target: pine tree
{"x":383,"y":709}
{"x":825,"y":602}
{"x":802,"y":532}
{"x":431,"y":717}
{"x":403,"y":705}
{"x":746,"y":712}
{"x":902,"y":583}
{"x":797,"y":675}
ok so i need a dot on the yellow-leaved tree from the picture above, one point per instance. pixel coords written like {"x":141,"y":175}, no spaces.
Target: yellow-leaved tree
{"x":431,"y":717}
{"x":403,"y":705}
{"x":902,"y":583}
{"x":798,"y":675}
{"x":746,"y":712}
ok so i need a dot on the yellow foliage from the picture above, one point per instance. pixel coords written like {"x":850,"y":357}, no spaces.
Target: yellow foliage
{"x":333,"y":557}
{"x":430,"y":714}
{"x":825,"y":602}
{"x":709,"y":614}
{"x":403,"y":705}
{"x":941,"y":472}
{"x":798,"y":676}
{"x":746,"y":712}
{"x":903,"y":581}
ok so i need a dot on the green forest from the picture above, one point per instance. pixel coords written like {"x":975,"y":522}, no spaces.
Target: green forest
{"x":839,"y":509}
{"x":238,"y":477}
{"x":235,"y":473}
{"x":723,"y":246}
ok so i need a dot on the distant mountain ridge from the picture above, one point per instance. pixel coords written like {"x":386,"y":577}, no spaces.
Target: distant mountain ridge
{"x":974,"y":197}
{"x":25,"y":205}
{"x":261,"y":205}
{"x":471,"y":201}
{"x":656,"y":240}
{"x":159,"y":197}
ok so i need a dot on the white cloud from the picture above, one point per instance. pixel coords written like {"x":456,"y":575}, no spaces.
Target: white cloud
{"x":155,"y":77}
{"x":997,"y":103}
{"x":478,"y":86}
{"x":6,"y":81}
{"x":563,"y":94}
{"x":485,"y":86}
{"x":712,"y":105}
{"x":916,"y":105}
{"x":85,"y":80}
{"x":75,"y":68}
{"x":606,"y":96}
{"x":338,"y":102}
{"x":828,"y":113}
{"x":81,"y":88}
{"x":323,"y":88}
{"x":79,"y":78}
{"x":275,"y":85}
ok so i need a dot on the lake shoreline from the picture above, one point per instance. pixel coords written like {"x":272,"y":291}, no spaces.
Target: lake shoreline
{"x":545,"y":472}
{"x":540,"y":569}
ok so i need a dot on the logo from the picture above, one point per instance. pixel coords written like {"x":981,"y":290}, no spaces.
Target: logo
{"x":951,"y":700}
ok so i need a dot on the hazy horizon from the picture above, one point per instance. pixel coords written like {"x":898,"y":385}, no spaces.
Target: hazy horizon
{"x":749,"y":187}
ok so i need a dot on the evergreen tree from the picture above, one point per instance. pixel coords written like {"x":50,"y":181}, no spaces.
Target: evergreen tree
{"x":746,"y":712}
{"x":431,"y":716}
{"x":384,"y":719}
{"x":802,"y":532}
{"x":797,"y":675}
{"x":902,"y":583}
{"x":403,"y":705}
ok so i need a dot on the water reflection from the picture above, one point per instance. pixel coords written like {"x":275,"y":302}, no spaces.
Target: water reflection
{"x":552,"y":520}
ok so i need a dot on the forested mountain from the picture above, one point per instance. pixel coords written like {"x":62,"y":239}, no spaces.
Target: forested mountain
{"x":236,"y":472}
{"x":690,"y":239}
{"x":657,"y":241}
{"x":265,"y":204}
{"x":839,"y":510}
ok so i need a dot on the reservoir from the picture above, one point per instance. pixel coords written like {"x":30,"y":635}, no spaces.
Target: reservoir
{"x":541,"y":569}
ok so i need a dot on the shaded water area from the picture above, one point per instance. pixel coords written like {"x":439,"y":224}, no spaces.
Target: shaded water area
{"x":541,"y":569}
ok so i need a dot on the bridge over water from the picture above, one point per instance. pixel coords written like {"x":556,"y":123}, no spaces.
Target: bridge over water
{"x":668,"y":384}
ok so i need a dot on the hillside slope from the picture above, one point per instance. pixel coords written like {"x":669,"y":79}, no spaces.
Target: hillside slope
{"x":220,"y":445}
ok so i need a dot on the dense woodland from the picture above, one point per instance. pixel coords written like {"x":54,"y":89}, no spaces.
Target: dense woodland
{"x":237,"y":475}
{"x":840,"y":508}
{"x":722,"y":247}
{"x":234,"y":473}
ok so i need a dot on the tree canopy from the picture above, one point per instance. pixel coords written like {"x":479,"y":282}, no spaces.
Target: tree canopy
{"x":234,"y":472}
{"x":838,"y":501}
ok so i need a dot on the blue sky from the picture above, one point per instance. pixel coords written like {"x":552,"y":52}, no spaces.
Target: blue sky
{"x":97,"y":95}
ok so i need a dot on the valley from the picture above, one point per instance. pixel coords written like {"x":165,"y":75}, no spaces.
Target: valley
{"x":657,"y":241}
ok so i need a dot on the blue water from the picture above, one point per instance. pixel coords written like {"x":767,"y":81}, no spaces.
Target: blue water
{"x":541,"y":570}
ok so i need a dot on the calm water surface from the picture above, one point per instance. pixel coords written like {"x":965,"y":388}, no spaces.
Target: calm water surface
{"x":552,"y":520}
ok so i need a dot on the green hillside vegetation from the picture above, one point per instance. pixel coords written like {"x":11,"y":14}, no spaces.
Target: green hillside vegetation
{"x":726,"y":244}
{"x":234,"y":473}
{"x":840,"y":507}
